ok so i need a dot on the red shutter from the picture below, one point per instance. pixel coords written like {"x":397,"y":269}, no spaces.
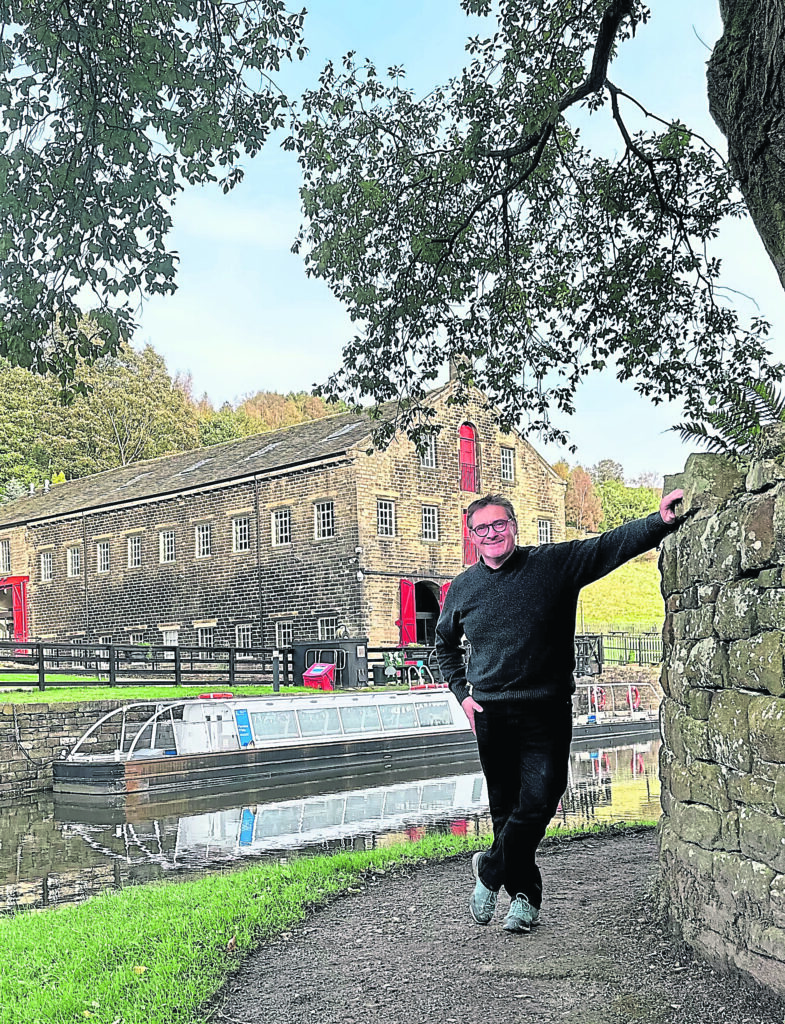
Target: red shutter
{"x":19,"y":604}
{"x":470,"y":554}
{"x":443,"y":593}
{"x":408,"y":619}
{"x":470,"y":478}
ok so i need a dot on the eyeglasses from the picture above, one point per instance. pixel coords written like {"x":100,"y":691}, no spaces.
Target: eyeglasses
{"x":498,"y":526}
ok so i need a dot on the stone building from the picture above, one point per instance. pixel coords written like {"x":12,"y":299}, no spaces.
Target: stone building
{"x":285,"y":536}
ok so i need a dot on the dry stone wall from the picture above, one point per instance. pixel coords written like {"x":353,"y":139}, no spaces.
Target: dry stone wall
{"x":722,"y":858}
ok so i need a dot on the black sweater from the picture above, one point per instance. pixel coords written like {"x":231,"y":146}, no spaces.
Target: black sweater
{"x":520,"y":618}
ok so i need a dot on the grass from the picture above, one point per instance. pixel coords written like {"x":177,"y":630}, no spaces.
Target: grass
{"x":630,"y":594}
{"x":157,"y":953}
{"x":61,"y":694}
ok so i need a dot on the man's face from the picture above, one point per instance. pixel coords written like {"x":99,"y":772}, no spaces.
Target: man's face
{"x":499,"y":541}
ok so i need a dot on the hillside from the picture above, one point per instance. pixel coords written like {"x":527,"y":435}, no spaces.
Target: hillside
{"x":630,"y":595}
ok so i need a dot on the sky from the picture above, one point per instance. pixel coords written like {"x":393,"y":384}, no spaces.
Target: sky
{"x":245,"y":318}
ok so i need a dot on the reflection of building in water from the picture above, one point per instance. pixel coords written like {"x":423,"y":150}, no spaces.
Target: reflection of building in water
{"x":612,"y":784}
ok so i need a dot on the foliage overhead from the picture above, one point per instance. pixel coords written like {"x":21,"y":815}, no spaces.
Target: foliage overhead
{"x":737,"y":419}
{"x":107,"y":111}
{"x":475,"y":225}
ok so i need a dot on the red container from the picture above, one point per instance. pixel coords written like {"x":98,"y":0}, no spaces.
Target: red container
{"x":320,"y":676}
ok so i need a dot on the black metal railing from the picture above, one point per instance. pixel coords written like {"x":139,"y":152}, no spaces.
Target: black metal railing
{"x":61,"y":663}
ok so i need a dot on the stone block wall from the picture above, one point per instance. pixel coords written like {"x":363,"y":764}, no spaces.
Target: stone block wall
{"x":722,"y":856}
{"x":33,"y":736}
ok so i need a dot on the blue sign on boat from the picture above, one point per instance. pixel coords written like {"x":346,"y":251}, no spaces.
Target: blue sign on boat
{"x":246,"y":826}
{"x":244,"y":733}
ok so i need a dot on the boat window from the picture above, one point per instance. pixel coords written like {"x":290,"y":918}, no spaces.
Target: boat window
{"x":364,"y":807}
{"x":323,"y":813}
{"x":434,"y":714}
{"x":404,"y":798}
{"x":319,"y":722}
{"x":437,"y":795}
{"x":273,"y":725}
{"x":278,"y":821}
{"x":360,"y":719}
{"x":398,"y":716}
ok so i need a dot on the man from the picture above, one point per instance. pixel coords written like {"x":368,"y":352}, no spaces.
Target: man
{"x":516,"y":606}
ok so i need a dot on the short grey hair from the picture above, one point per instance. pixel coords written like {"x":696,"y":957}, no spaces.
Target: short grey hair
{"x":491,"y":499}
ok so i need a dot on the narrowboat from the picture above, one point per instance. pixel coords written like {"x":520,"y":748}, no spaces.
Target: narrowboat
{"x":222,"y":740}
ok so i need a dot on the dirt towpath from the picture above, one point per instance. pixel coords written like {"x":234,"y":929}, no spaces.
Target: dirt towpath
{"x":403,"y":951}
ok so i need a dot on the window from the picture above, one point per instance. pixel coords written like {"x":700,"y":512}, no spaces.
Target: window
{"x":428,"y":456}
{"x":204,"y":540}
{"x":328,"y":628}
{"x":508,"y":463}
{"x":430,"y":522}
{"x":46,"y":566}
{"x":74,"y":559}
{"x":102,"y":556}
{"x":242,"y":638}
{"x":205,"y":637}
{"x":324,"y":520}
{"x":543,"y":531}
{"x":241,"y":534}
{"x":166,"y":548}
{"x":170,"y":637}
{"x":5,"y":556}
{"x":134,"y":552}
{"x":284,"y":634}
{"x":282,"y":527}
{"x":385,"y":518}
{"x":136,"y":638}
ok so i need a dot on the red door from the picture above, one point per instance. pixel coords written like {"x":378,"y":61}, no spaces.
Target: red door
{"x":408,"y":620}
{"x":443,"y":593}
{"x":18,"y":587}
{"x":470,"y":477}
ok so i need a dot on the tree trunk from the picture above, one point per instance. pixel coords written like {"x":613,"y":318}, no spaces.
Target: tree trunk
{"x":747,"y":100}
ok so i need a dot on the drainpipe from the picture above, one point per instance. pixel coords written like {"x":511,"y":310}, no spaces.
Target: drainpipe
{"x":259,"y":555}
{"x":86,"y":591}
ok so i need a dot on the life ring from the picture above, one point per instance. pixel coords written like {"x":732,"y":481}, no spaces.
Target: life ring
{"x":598,"y":698}
{"x":216,"y":696}
{"x":633,"y":698}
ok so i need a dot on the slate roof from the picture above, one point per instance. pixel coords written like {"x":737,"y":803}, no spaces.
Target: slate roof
{"x":302,"y":443}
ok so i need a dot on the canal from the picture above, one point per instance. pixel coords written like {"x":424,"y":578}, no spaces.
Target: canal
{"x":53,"y":852}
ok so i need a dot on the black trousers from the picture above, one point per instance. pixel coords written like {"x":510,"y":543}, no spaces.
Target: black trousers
{"x":524,"y":751}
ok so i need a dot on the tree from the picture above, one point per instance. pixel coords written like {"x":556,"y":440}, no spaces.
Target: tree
{"x":474,"y":225}
{"x":582,"y":505}
{"x":562,"y":469}
{"x":107,"y":111}
{"x":621,"y":503}
{"x":607,"y":469}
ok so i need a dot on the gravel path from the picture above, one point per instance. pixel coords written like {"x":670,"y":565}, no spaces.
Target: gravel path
{"x":403,"y":950}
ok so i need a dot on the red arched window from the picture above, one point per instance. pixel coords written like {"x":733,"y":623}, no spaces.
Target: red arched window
{"x":470,"y":471}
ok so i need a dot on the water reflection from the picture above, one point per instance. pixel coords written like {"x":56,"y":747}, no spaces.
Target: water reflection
{"x":52,"y":852}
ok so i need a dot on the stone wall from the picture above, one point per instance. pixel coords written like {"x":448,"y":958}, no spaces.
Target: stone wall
{"x":722,"y":859}
{"x":33,"y":736}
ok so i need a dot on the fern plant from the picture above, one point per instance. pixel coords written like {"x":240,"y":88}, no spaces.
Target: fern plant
{"x":735,"y":425}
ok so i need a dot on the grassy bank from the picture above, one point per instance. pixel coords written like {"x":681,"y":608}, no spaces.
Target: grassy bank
{"x":630,"y":594}
{"x":155,"y":954}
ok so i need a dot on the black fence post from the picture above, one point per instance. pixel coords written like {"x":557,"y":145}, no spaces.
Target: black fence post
{"x":232,"y":664}
{"x":178,"y":667}
{"x":41,"y":668}
{"x":276,"y":671}
{"x":112,"y":666}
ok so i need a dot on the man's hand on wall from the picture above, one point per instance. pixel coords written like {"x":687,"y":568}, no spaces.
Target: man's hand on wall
{"x":668,"y":504}
{"x":470,"y":708}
